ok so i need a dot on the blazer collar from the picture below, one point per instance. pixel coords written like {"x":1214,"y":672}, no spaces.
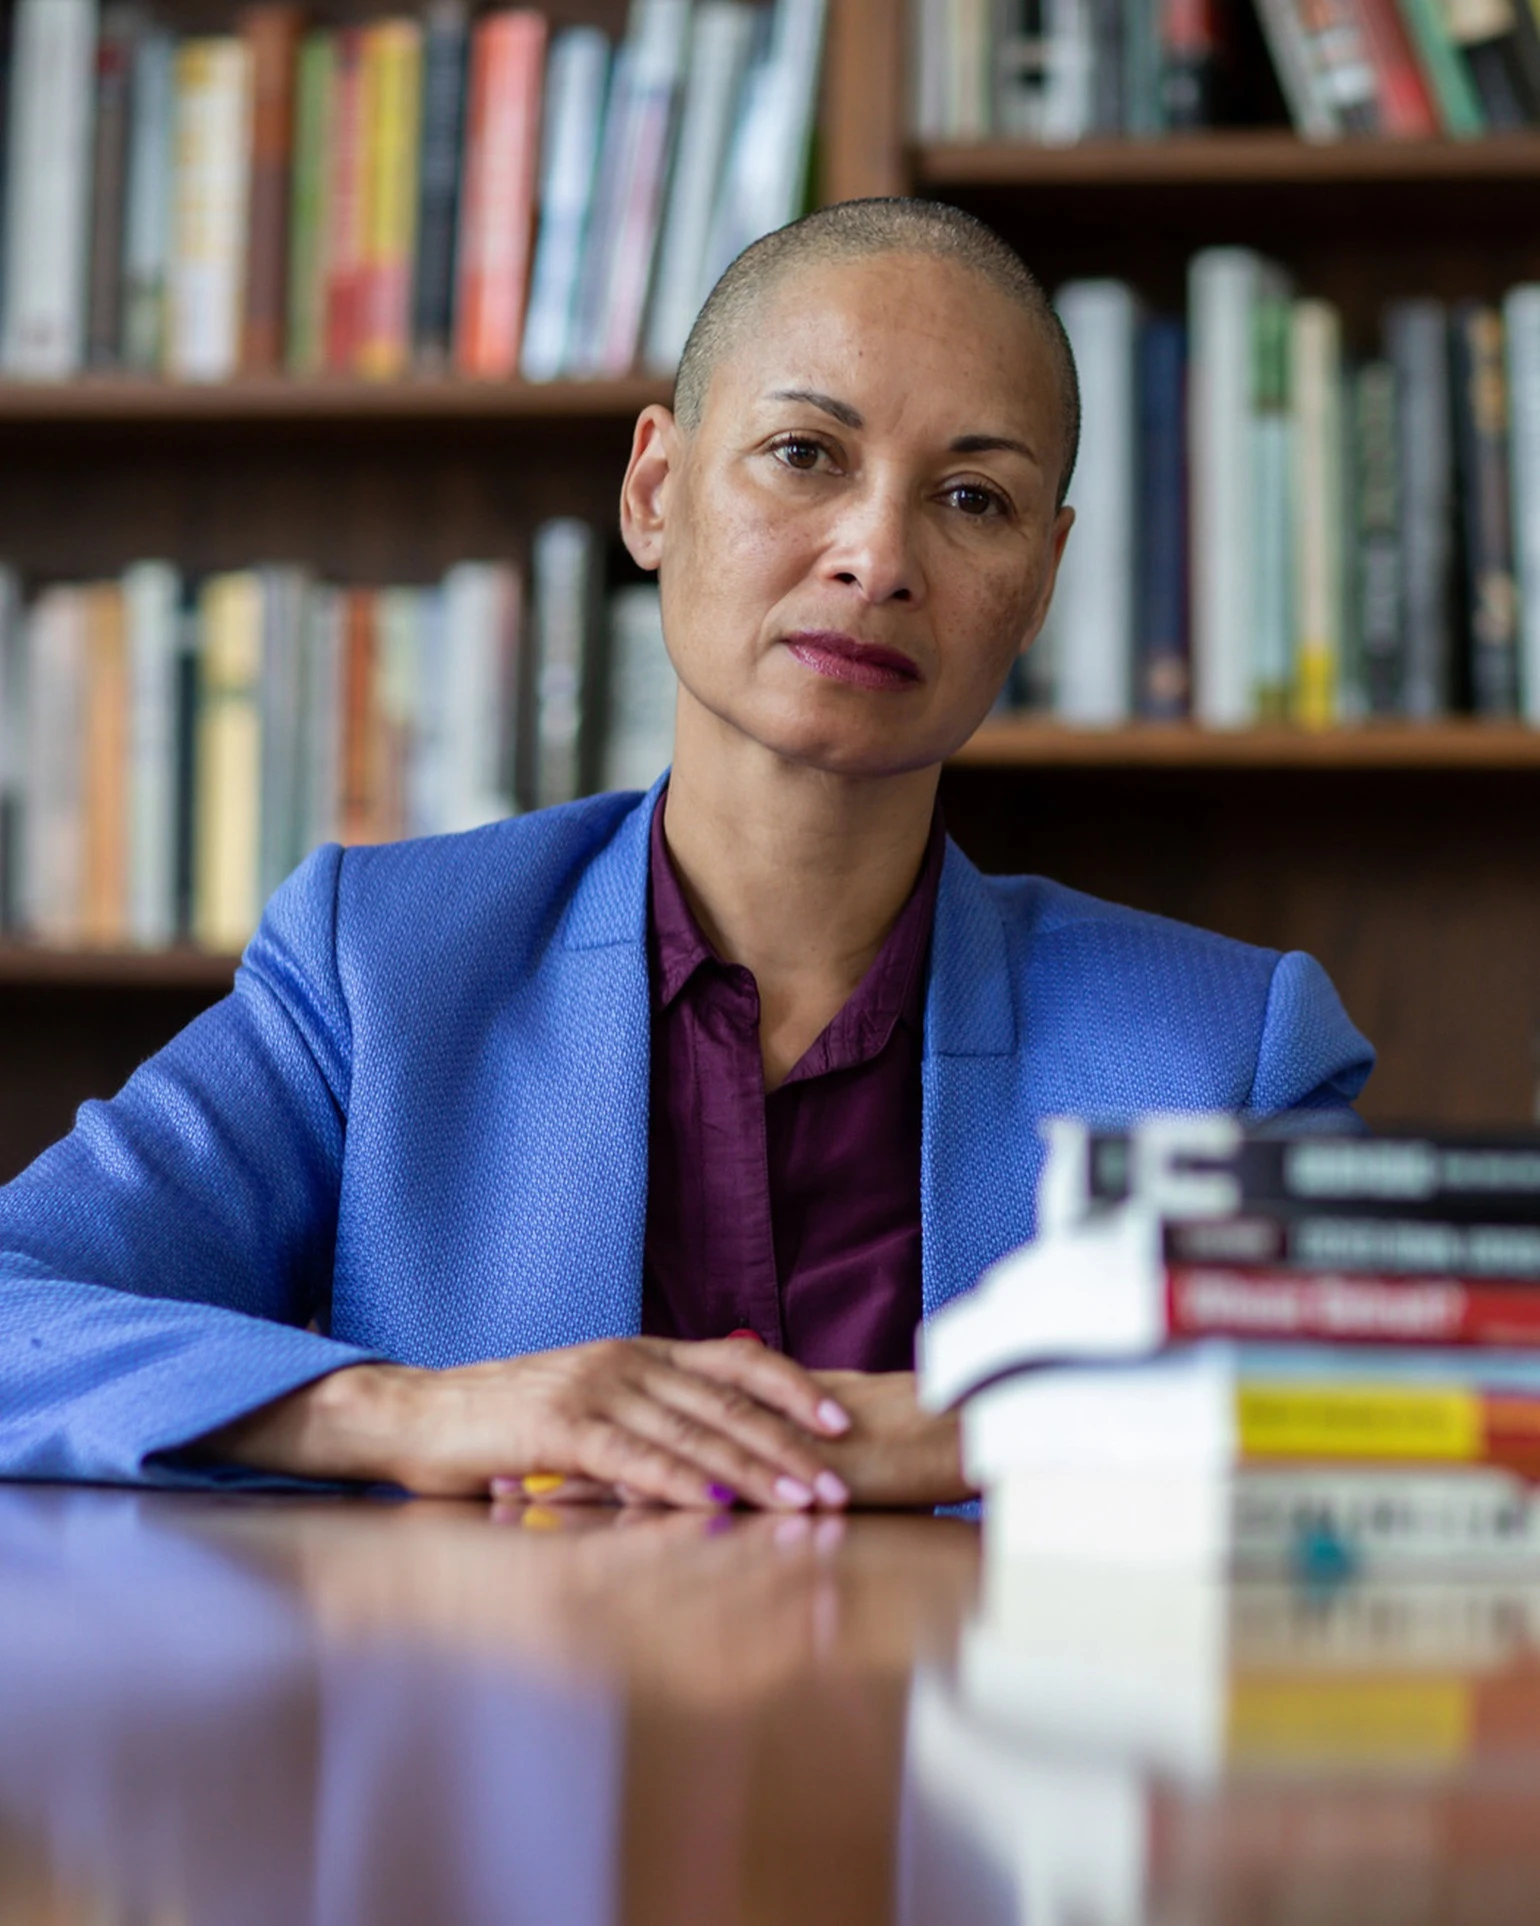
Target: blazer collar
{"x":609,"y":905}
{"x":970,"y":1011}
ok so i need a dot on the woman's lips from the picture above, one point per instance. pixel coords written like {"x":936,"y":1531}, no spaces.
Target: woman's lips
{"x":843,"y":659}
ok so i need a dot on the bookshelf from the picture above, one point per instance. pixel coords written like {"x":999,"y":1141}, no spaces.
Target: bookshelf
{"x":1402,"y":856}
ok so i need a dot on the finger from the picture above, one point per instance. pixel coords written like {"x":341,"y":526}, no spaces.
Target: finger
{"x":763,"y":1434}
{"x":768,"y":1376}
{"x":726,"y":1462}
{"x":647,"y":1470}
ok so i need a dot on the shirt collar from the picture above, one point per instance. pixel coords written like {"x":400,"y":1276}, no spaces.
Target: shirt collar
{"x":892,"y":990}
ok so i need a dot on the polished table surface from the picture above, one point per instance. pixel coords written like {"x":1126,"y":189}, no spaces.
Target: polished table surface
{"x":284,"y":1711}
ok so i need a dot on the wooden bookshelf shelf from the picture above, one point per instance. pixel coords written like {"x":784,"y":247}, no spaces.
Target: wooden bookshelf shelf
{"x":1462,"y":744}
{"x":1227,"y":159}
{"x":145,"y":402}
{"x":32,"y":966}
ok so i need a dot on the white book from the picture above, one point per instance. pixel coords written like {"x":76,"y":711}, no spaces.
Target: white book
{"x":1092,"y":615}
{"x":929,"y":81}
{"x":563,"y":561}
{"x":576,"y":73}
{"x":480,"y":603}
{"x":969,"y":69}
{"x":152,"y":596}
{"x":1068,"y":103}
{"x":1223,"y":286}
{"x":1272,"y":503}
{"x":1315,"y":357}
{"x":721,"y":41}
{"x":643,"y":692}
{"x":52,"y":806}
{"x":1521,"y":328}
{"x":626,"y":238}
{"x":767,"y":169}
{"x":1312,"y":109}
{"x":147,"y":218}
{"x":212,"y":182}
{"x":48,"y":187}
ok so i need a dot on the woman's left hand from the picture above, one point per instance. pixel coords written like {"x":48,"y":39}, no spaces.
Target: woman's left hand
{"x":894,"y":1454}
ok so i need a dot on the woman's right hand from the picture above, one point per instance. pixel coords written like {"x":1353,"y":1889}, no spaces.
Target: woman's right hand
{"x":650,"y":1419}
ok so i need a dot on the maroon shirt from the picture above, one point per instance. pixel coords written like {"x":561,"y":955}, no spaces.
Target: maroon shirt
{"x":794,"y":1215}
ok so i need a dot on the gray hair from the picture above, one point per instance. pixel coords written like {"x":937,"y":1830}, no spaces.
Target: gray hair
{"x":847,"y":231}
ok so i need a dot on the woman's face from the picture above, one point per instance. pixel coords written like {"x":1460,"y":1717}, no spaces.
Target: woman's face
{"x":861,"y":533}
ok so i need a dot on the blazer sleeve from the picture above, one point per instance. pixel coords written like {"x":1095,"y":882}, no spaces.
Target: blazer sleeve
{"x":1310,"y":1056}
{"x":159,"y":1265}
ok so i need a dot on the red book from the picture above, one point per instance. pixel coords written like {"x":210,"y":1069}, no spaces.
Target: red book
{"x":271,"y":33}
{"x":1350,"y":1308}
{"x":1406,"y":106}
{"x":346,"y":161}
{"x":497,"y":213}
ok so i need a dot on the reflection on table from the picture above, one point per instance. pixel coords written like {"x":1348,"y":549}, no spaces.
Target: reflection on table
{"x":322,"y":1713}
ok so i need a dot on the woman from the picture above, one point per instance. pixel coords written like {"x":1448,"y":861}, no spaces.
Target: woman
{"x":618,"y":1150}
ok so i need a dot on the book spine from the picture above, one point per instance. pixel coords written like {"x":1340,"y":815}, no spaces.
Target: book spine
{"x":272,"y":36}
{"x":393,"y":95}
{"x":478,"y":601}
{"x":1481,"y":414}
{"x":147,"y":217}
{"x":968,"y":76}
{"x":398,"y":621}
{"x":1521,"y":331}
{"x":643,"y":691}
{"x":1312,"y":108}
{"x":507,"y":62}
{"x":1406,"y":107}
{"x":52,"y":854}
{"x":1021,"y":68}
{"x":1316,"y":366}
{"x":360,"y":754}
{"x":309,"y":250}
{"x":48,"y":188}
{"x":575,"y":86}
{"x":1344,"y":1308}
{"x":1108,"y":110}
{"x":1222,"y":285}
{"x":1448,"y":79}
{"x":321,"y":718}
{"x":281,"y":831}
{"x":345,"y":160}
{"x":564,"y":560}
{"x":151,"y":594}
{"x":104,"y":770}
{"x":1071,"y":66}
{"x":1162,"y":676}
{"x":1486,"y":34}
{"x":13,"y":755}
{"x":1343,"y":70}
{"x":1379,"y":547}
{"x":209,"y":234}
{"x":1423,"y":1424}
{"x":115,"y":49}
{"x":1416,"y":339}
{"x":1273,"y":434}
{"x":1363,"y":1242}
{"x":443,"y":119}
{"x":1093,"y":613}
{"x":229,"y":762}
{"x":1143,"y":109}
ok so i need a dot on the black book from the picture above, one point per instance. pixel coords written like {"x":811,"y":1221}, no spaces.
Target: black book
{"x":1481,"y":422}
{"x":1404,"y":1246}
{"x":1498,"y":41}
{"x":443,"y":140}
{"x":1417,"y":345}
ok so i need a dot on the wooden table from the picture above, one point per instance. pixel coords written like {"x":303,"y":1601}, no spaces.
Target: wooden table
{"x":297,"y":1712}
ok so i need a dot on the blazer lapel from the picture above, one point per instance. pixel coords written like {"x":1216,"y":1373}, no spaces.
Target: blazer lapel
{"x":980,"y":1153}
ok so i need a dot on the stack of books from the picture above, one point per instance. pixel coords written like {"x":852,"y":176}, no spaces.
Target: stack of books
{"x":169,"y":750}
{"x":1158,"y":1749}
{"x":445,"y":192}
{"x":1055,"y":71}
{"x":1245,"y":1352}
{"x":1270,"y":528}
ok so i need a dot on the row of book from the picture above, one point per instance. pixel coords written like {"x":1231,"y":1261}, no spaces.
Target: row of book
{"x":170,"y":751}
{"x":445,"y":193}
{"x":1059,"y":71}
{"x":1268,"y":529}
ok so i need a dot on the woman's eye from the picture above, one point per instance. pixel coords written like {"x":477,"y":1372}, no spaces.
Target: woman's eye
{"x":976,"y":501}
{"x":798,"y":454}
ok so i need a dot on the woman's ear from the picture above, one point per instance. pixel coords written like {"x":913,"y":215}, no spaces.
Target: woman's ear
{"x":655,"y":450}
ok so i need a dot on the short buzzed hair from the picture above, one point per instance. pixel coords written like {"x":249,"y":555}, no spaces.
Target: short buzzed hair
{"x":849,"y":230}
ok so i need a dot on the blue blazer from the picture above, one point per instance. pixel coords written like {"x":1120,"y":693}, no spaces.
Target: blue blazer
{"x":419,"y":1124}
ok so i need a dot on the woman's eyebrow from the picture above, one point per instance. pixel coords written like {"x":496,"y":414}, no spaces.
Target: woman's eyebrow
{"x":842,"y":411}
{"x":984,"y":444}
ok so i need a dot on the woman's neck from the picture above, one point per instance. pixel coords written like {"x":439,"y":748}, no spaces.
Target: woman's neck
{"x":795,"y":874}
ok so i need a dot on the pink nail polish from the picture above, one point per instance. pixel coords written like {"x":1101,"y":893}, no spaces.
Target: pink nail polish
{"x":791,"y":1491}
{"x":833,"y":1419}
{"x":505,"y":1488}
{"x":721,"y":1495}
{"x":830,"y":1489}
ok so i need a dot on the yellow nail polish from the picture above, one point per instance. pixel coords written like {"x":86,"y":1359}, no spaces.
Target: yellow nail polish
{"x":542,"y":1518}
{"x":541,"y":1484}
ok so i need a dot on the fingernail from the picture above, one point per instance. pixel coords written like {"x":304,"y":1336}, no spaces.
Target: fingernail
{"x":721,"y":1495}
{"x":791,"y":1491}
{"x":832,"y":1417}
{"x":541,"y":1484}
{"x":831,"y":1489}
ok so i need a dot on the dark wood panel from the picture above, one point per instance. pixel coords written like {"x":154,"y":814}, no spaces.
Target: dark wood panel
{"x":1421,"y":897}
